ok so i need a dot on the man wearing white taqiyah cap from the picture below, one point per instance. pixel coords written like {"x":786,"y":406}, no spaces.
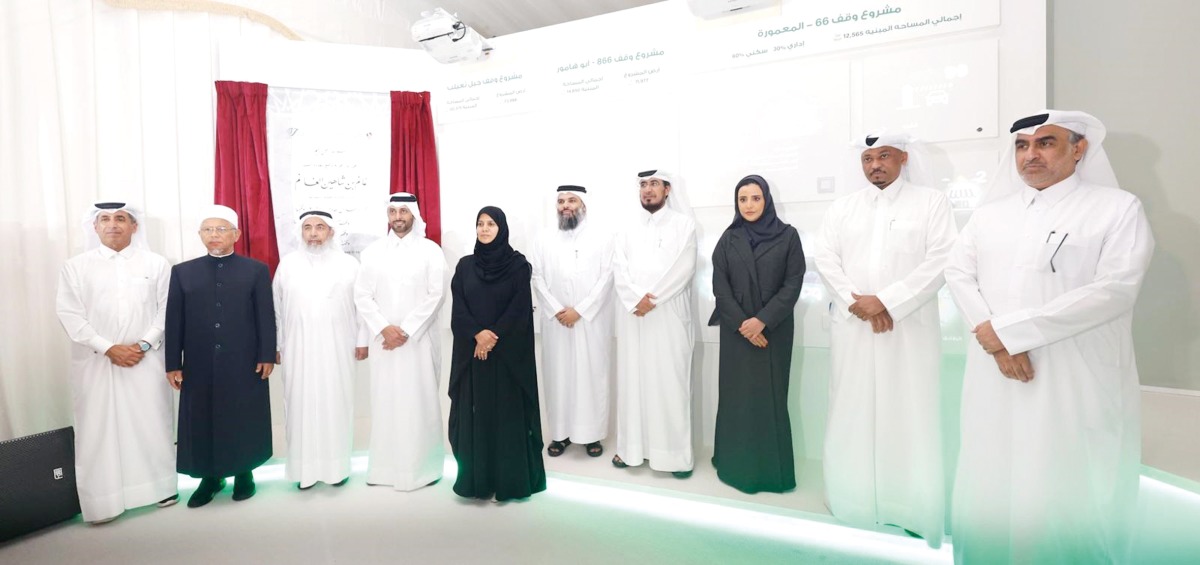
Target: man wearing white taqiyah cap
{"x":881,"y":254}
{"x":572,"y":277}
{"x":654,"y":262}
{"x":319,"y":337}
{"x":1047,"y":272}
{"x":399,"y":291}
{"x":220,"y":350}
{"x":111,"y":301}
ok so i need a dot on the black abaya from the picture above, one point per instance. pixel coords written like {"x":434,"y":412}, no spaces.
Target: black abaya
{"x":495,"y":423}
{"x":753,"y":445}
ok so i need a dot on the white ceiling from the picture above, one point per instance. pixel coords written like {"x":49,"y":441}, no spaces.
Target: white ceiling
{"x":386,"y":23}
{"x":493,"y":18}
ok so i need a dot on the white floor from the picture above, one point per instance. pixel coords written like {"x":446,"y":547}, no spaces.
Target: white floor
{"x":577,"y":520}
{"x":583,"y":517}
{"x":807,"y":497}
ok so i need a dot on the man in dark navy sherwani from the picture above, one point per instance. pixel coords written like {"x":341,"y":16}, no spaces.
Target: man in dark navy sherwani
{"x":220,"y":350}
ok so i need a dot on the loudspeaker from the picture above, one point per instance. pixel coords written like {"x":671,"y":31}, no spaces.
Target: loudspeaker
{"x":37,"y":482}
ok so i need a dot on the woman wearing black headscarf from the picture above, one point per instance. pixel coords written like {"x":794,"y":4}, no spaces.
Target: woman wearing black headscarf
{"x":758,"y":267}
{"x":495,"y":423}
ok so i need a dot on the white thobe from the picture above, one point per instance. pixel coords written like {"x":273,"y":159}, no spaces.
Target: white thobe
{"x":1048,"y":469}
{"x":318,"y":330}
{"x":574,"y":268}
{"x":124,"y":450}
{"x":402,"y":283}
{"x":656,"y":255}
{"x":883,"y":441}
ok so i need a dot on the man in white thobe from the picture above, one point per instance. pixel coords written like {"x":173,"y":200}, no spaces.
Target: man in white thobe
{"x":653,"y":264}
{"x":112,"y":302}
{"x":399,"y":291}
{"x":572,"y":276}
{"x":319,"y":337}
{"x":881,"y":254}
{"x":1047,"y":272}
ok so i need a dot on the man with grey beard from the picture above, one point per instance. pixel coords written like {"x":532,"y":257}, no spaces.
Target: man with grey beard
{"x":572,"y":276}
{"x":319,"y":337}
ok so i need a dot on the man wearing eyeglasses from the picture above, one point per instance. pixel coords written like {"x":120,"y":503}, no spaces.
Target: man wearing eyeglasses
{"x":1047,"y":272}
{"x":220,"y":348}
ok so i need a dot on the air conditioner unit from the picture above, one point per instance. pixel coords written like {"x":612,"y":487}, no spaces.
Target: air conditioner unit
{"x":447,"y":39}
{"x":714,"y":8}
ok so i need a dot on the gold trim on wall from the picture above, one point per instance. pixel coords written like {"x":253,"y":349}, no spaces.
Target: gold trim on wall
{"x":207,"y":6}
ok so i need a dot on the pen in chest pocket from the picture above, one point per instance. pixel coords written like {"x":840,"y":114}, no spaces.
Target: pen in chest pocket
{"x":1056,"y":249}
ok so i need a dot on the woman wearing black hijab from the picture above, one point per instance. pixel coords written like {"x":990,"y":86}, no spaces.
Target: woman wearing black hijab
{"x":758,"y":267}
{"x":495,"y":423}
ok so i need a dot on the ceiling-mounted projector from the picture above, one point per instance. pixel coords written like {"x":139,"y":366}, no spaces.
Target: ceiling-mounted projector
{"x":447,"y":39}
{"x":713,"y":8}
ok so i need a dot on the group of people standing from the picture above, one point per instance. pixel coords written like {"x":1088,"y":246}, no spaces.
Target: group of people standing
{"x":1047,"y":467}
{"x":1045,"y":273}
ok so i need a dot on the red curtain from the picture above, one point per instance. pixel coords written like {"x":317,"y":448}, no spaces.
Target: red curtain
{"x":414,"y":157}
{"x":241,"y":180}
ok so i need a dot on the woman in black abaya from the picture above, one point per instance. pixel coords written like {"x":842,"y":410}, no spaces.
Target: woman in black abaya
{"x":758,"y":267}
{"x":495,"y":425}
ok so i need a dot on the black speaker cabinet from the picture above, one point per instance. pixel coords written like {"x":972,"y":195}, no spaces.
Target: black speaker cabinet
{"x":37,"y":482}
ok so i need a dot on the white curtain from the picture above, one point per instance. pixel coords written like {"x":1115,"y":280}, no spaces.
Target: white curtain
{"x":95,"y":103}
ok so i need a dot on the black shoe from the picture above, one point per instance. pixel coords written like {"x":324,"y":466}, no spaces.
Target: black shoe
{"x":209,"y":487}
{"x":594,"y":449}
{"x":169,"y":501}
{"x":243,"y":486}
{"x":910,"y":533}
{"x":681,"y":474}
{"x":557,"y":448}
{"x":618,"y":462}
{"x":342,"y":482}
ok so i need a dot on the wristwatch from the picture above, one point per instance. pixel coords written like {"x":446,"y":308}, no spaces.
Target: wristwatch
{"x":144,"y":345}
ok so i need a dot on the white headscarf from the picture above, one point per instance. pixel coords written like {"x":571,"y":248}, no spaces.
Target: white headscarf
{"x":91,"y":240}
{"x":677,"y":200}
{"x":915,"y":170}
{"x":406,"y":200}
{"x":221,"y":213}
{"x":1093,"y":168}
